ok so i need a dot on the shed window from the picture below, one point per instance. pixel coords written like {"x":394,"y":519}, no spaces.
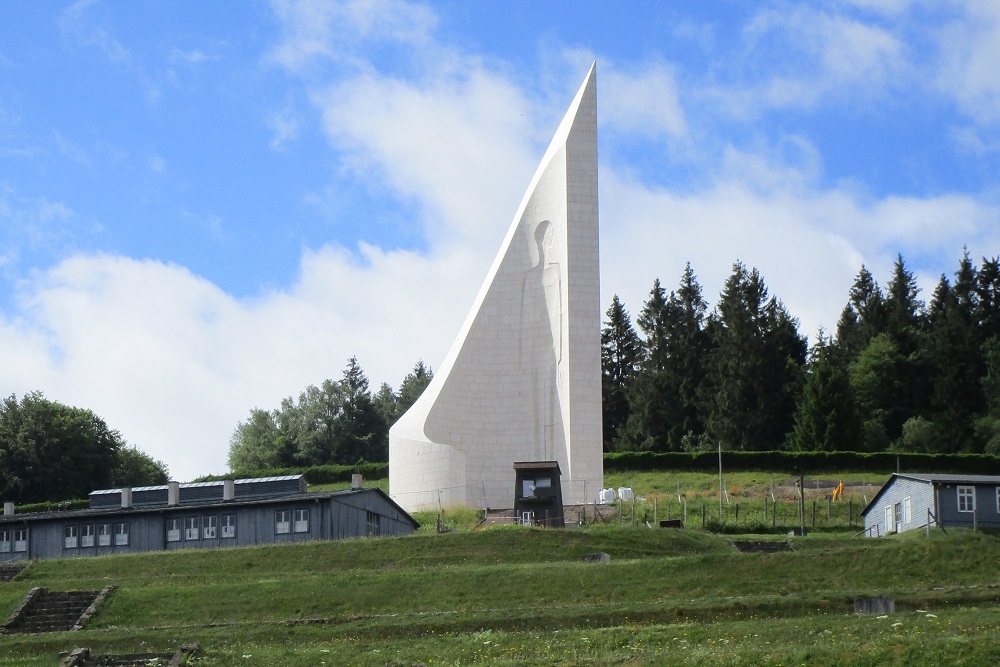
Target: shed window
{"x":191,"y":528}
{"x":121,"y":534}
{"x":301,"y":521}
{"x":104,"y":535}
{"x":70,"y":537}
{"x":228,"y":525}
{"x":372,"y":528}
{"x":4,"y":541}
{"x":282,"y":524}
{"x":21,"y":539}
{"x":87,"y":535}
{"x":211,"y":527}
{"x":907,"y":517}
{"x":966,"y":499}
{"x":173,"y":530}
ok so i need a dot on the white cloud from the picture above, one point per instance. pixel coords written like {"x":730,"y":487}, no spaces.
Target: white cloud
{"x":174,"y":362}
{"x":31,"y":223}
{"x":284,"y":125}
{"x":324,"y":29}
{"x":970,"y":52}
{"x":77,"y":24}
{"x":644,"y":103}
{"x":459,"y":145}
{"x":811,"y":54}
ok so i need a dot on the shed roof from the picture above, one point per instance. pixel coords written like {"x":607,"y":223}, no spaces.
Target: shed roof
{"x":537,"y":465}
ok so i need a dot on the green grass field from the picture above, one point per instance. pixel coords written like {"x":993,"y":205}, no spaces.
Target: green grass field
{"x":522,"y":596}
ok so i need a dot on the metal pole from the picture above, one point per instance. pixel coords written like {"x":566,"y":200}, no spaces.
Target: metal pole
{"x":721,"y":486}
{"x":802,"y":504}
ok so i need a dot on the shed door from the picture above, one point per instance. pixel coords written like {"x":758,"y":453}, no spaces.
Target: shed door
{"x":898,"y":512}
{"x":889,"y":519}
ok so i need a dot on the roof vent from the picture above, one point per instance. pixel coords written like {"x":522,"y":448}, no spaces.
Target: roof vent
{"x":127,"y":497}
{"x":173,"y":493}
{"x":357,"y":481}
{"x":8,"y":509}
{"x":228,"y":489}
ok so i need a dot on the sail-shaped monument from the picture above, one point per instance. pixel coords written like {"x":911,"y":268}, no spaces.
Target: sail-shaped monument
{"x":522,"y":381}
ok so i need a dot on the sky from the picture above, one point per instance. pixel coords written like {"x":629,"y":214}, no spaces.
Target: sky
{"x":206,"y":207}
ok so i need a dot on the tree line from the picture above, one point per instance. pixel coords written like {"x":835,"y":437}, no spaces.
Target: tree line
{"x":338,"y":422}
{"x":897,"y":375}
{"x":51,"y":451}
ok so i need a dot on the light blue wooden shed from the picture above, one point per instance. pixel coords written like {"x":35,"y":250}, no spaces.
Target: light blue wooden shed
{"x":917,"y":500}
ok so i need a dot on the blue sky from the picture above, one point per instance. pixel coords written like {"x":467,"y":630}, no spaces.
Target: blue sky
{"x":205,"y":207}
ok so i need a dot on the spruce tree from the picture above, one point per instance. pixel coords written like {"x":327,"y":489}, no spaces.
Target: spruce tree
{"x":753,"y":368}
{"x":862,"y":318}
{"x":954,"y":360}
{"x":826,"y":418}
{"x":665,"y":409}
{"x":621,"y":351}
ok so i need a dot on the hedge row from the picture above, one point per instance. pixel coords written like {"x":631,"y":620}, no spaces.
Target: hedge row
{"x":328,"y":474}
{"x":54,"y":505}
{"x":803,"y":462}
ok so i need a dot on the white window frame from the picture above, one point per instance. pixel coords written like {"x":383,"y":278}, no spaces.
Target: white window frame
{"x":21,"y":539}
{"x":173,"y":530}
{"x":121,"y":534}
{"x":301,"y":524}
{"x":192,"y":527}
{"x":965,"y":494}
{"x":228,"y":526}
{"x":5,"y":543}
{"x":890,"y":519}
{"x":104,"y":535}
{"x":71,"y":537}
{"x":210,"y":527}
{"x":282,"y":522}
{"x":87,"y":535}
{"x":907,"y":514}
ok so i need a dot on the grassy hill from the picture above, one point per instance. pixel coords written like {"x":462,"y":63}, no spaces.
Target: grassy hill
{"x":521,"y":596}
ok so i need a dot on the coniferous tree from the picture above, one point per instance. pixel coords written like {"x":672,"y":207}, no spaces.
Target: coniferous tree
{"x":753,"y":368}
{"x":862,"y":318}
{"x":954,"y":361}
{"x":988,"y":298}
{"x":665,"y":408}
{"x":826,"y":418}
{"x":652,"y":322}
{"x":987,"y":426}
{"x":878,"y":383}
{"x":360,"y":432}
{"x":621,"y":353}
{"x":904,"y":317}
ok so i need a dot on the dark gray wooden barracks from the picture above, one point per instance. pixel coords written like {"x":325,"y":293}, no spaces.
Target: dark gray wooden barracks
{"x":201,"y":515}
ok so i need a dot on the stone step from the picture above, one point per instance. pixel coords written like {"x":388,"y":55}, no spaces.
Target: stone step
{"x":51,"y":611}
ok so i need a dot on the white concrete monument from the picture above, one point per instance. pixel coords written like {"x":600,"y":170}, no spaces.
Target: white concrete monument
{"x":522,"y":381}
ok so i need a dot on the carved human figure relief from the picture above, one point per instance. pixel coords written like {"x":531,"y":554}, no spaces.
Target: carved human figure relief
{"x":541,"y":339}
